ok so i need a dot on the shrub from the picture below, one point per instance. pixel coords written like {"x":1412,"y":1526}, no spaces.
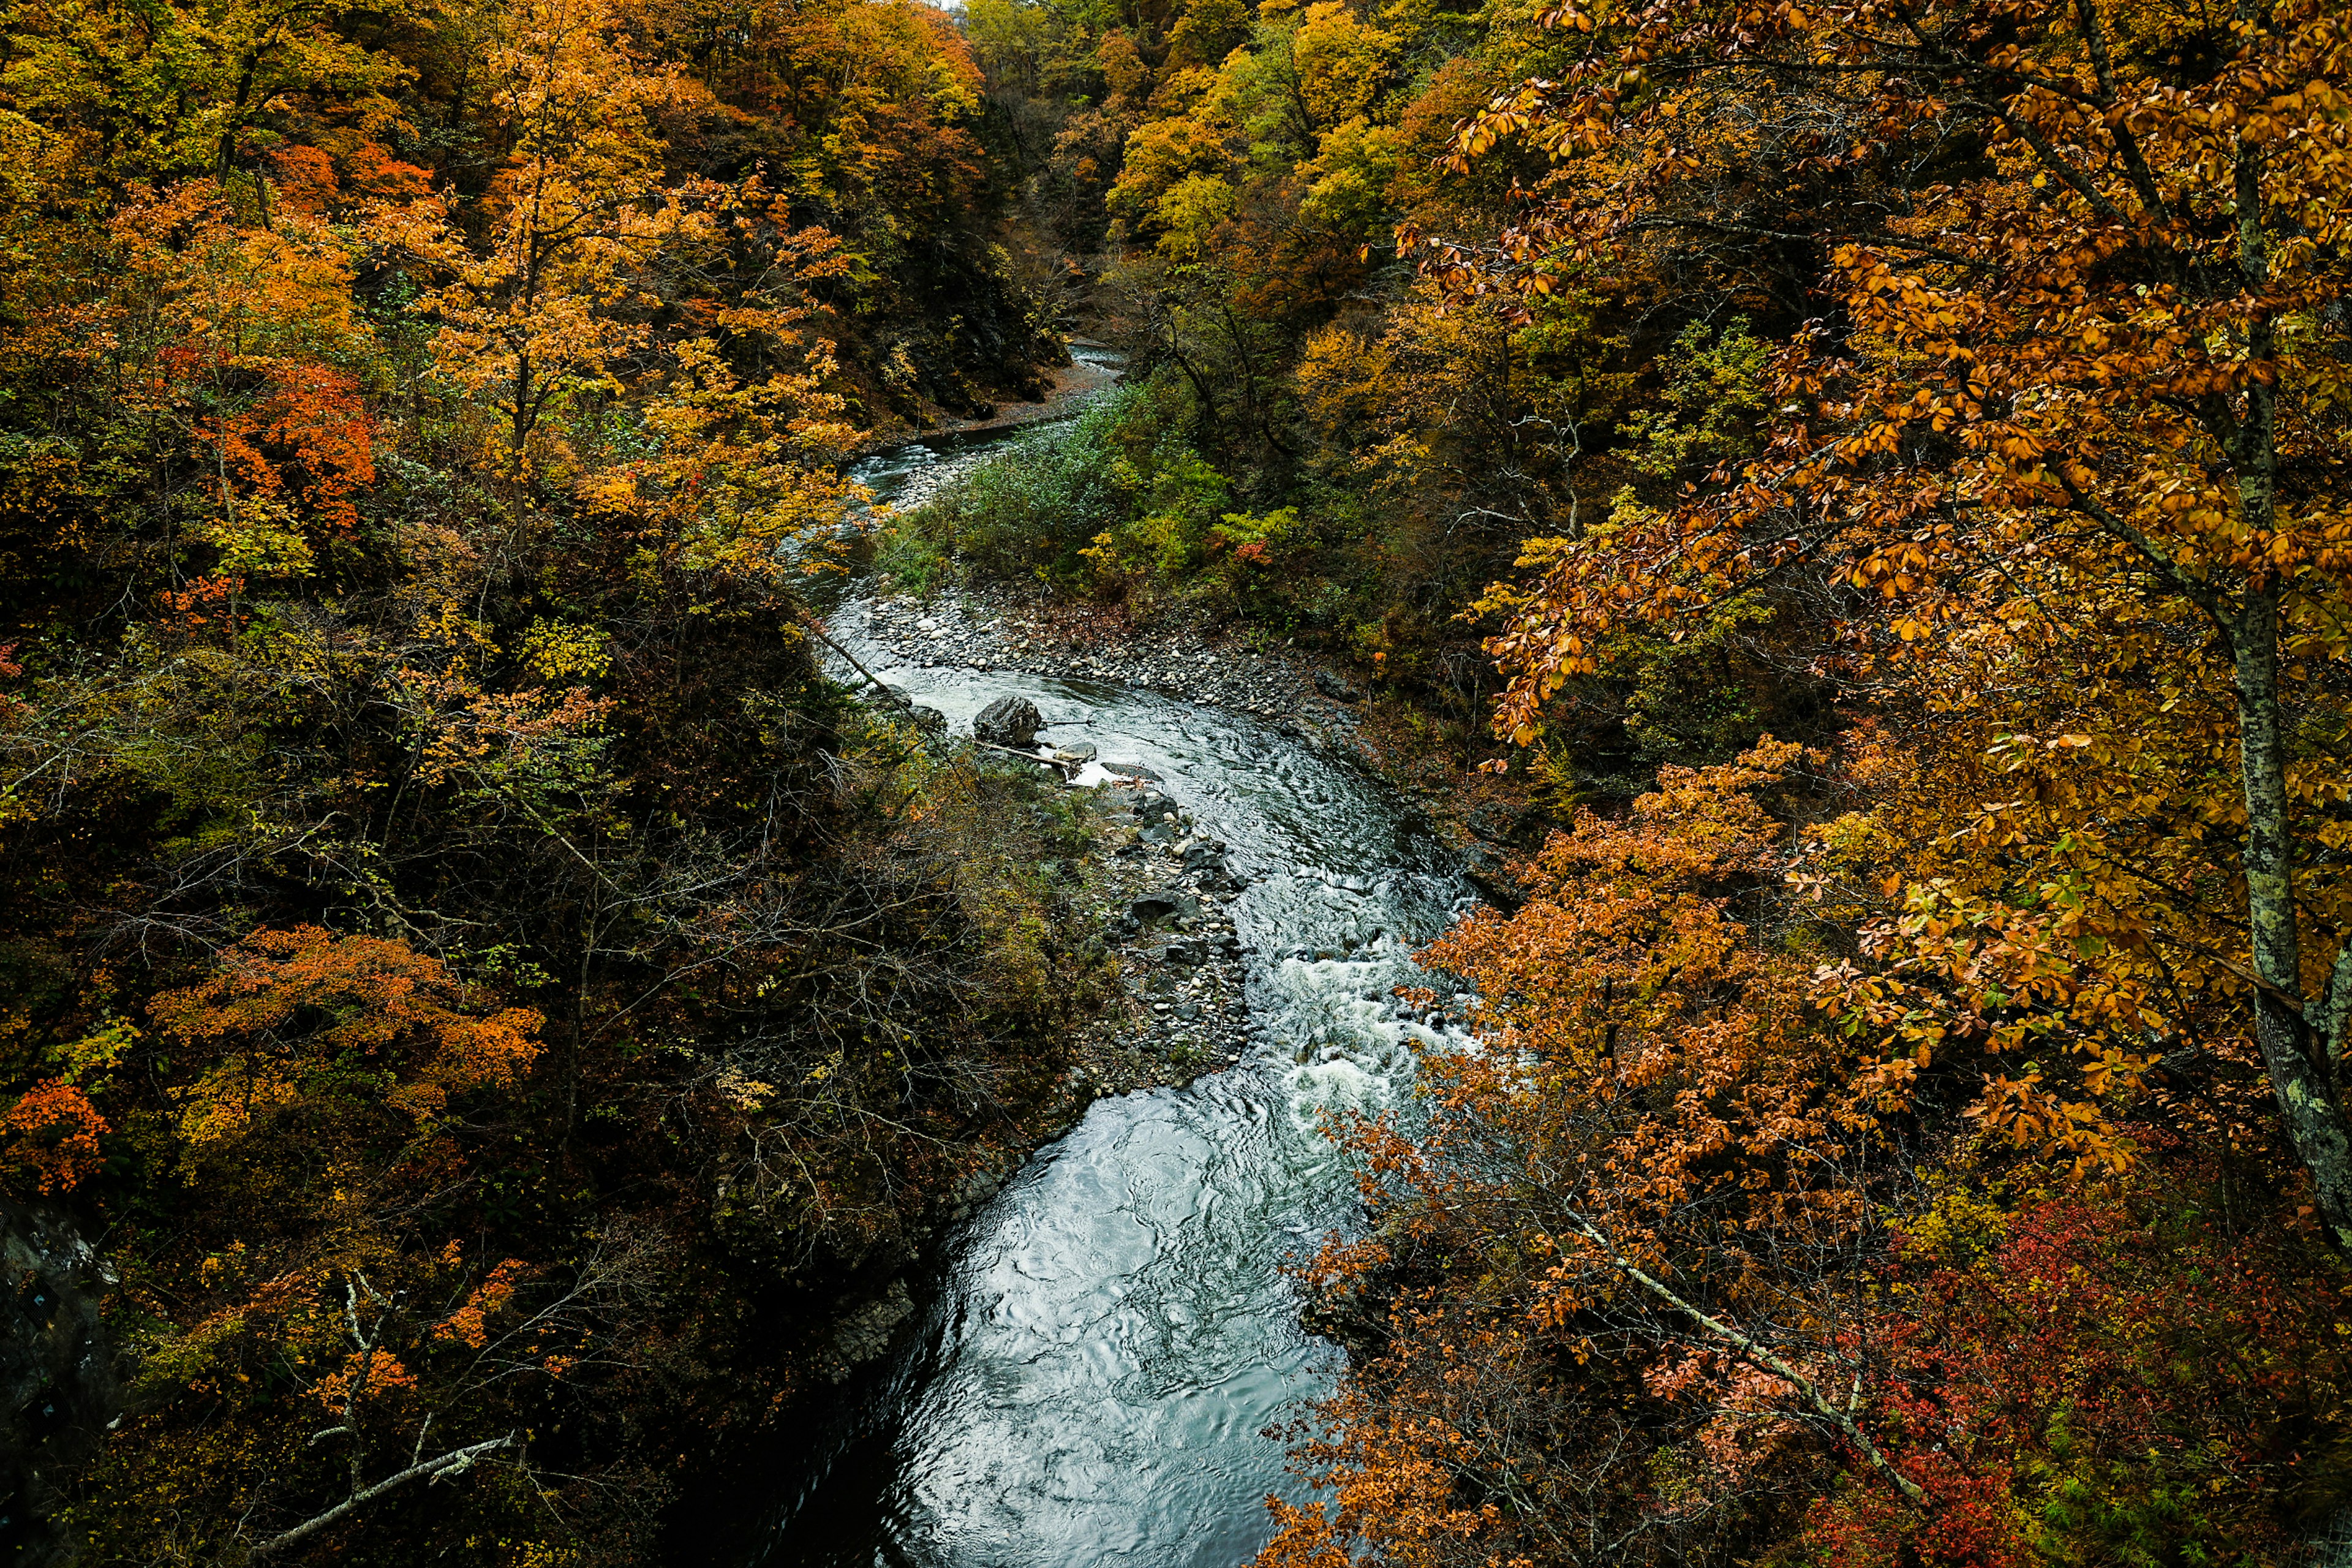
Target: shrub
{"x":1030,"y":510}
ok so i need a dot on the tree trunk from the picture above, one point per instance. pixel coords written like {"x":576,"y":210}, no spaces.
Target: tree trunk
{"x":2297,"y":1065}
{"x":2301,"y":1072}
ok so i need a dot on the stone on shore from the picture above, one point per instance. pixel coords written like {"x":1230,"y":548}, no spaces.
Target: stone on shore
{"x":1163,"y":906}
{"x":1336,"y":687}
{"x":1008,"y":721}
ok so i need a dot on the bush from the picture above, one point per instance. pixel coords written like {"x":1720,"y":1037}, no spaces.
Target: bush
{"x":1030,"y":510}
{"x":1117,"y":498}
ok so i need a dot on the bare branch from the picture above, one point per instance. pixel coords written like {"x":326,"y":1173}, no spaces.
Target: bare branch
{"x":1757,"y":1356}
{"x":457,"y":1461}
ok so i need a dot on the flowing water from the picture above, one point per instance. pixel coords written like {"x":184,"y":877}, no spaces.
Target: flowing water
{"x":1112,"y":1336}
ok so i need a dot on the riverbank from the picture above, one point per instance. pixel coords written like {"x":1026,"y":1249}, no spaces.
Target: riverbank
{"x":997,"y":627}
{"x":1093,"y":369}
{"x":1152,"y":899}
{"x":1485,"y":818}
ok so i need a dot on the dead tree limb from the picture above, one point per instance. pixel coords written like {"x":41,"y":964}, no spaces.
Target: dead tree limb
{"x":816,"y":628}
{"x":457,"y":1461}
{"x":1757,"y":1356}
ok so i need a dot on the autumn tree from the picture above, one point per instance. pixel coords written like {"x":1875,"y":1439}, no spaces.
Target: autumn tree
{"x":2083,"y":371}
{"x":333,"y":1072}
{"x":206,"y":91}
{"x":1657,"y":1272}
{"x":583,"y":226}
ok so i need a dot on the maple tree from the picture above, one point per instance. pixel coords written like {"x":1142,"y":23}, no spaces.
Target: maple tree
{"x":370,"y":1008}
{"x":53,"y":1136}
{"x":1682,"y":1256}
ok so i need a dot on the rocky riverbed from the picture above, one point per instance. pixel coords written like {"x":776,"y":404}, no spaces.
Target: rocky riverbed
{"x":1165,"y":888}
{"x":1157,"y":892}
{"x":998,"y":627}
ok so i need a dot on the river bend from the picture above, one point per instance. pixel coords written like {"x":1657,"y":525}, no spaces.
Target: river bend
{"x":1111,"y":1335}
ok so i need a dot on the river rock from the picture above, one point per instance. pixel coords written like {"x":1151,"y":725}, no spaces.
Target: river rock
{"x":1143,"y":806}
{"x":1495,"y":826}
{"x":1164,"y":906}
{"x":1008,"y":721}
{"x":1336,"y":687}
{"x":1209,"y":865}
{"x":1490,"y":874}
{"x":1075,"y":753}
{"x":1205,"y":855}
{"x":1130,"y":771}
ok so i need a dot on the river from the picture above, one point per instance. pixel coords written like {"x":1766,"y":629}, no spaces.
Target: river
{"x":1105,"y":1343}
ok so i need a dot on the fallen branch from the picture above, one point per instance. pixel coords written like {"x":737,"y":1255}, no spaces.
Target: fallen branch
{"x":1757,"y":1356}
{"x":894,"y":695}
{"x":817,"y":628}
{"x":457,"y":1461}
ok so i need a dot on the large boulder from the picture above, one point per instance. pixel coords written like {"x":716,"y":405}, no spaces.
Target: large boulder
{"x":1009,"y":722}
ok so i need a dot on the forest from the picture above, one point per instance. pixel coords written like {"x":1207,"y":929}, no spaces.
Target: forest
{"x":1850,"y":505}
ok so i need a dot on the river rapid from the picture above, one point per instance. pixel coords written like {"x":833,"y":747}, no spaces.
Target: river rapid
{"x":1105,"y":1344}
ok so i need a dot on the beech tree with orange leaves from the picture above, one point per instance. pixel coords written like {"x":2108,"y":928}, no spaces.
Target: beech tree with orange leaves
{"x":293,"y":1013}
